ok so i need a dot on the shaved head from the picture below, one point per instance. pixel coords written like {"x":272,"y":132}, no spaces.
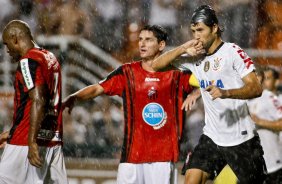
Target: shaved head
{"x":17,"y":28}
{"x":17,"y":38}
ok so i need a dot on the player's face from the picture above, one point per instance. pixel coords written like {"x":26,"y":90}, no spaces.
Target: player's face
{"x":11,"y":47}
{"x":269,"y":82}
{"x":204,"y":33}
{"x":149,"y":47}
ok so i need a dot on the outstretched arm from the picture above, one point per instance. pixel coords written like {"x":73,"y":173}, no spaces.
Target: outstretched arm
{"x":86,"y":93}
{"x":271,"y":125}
{"x":192,"y":48}
{"x":251,"y":89}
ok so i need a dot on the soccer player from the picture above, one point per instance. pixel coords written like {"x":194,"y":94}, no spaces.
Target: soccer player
{"x":33,"y":153}
{"x":266,"y":111}
{"x":227,"y":78}
{"x":152,"y":111}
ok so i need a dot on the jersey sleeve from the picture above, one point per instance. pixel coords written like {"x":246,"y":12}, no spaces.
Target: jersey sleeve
{"x":242,"y":63}
{"x":32,"y":73}
{"x":113,"y":84}
{"x":184,"y":81}
{"x":193,"y":81}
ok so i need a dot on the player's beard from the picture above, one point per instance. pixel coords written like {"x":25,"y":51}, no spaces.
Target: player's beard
{"x":208,"y":44}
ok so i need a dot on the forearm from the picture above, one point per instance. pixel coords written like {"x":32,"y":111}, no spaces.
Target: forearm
{"x":251,"y":89}
{"x":271,"y":125}
{"x":4,"y":136}
{"x":165,"y":59}
{"x":36,"y":118}
{"x":246,"y":92}
{"x":88,"y":92}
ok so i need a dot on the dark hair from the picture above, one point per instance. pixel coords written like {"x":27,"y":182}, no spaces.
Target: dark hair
{"x":275,"y":73}
{"x":158,"y":31}
{"x":207,"y":15}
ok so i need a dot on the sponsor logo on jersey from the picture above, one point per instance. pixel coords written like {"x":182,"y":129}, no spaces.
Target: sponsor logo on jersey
{"x":247,"y":60}
{"x":154,"y":115}
{"x":205,"y":83}
{"x":148,"y":79}
{"x":216,"y":64}
{"x":26,"y":73}
{"x":152,"y":93}
{"x":207,"y":66}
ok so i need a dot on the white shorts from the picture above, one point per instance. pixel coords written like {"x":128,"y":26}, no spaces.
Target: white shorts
{"x":147,"y":173}
{"x":16,"y":169}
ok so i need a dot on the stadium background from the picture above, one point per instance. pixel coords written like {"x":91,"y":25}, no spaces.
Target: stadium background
{"x":102,"y":35}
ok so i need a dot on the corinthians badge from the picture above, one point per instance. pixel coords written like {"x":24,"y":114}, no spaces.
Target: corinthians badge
{"x":207,"y":66}
{"x":216,"y":64}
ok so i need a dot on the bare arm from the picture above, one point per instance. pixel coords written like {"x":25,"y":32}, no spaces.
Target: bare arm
{"x":251,"y":89}
{"x":192,"y":47}
{"x":38,"y":101}
{"x":271,"y":125}
{"x":3,"y":138}
{"x":86,"y":93}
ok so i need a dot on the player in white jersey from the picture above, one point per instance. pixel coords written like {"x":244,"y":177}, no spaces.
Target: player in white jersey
{"x":267,"y":114}
{"x":227,"y":78}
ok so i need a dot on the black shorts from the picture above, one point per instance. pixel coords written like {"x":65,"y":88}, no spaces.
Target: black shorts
{"x":275,"y":177}
{"x":246,"y":159}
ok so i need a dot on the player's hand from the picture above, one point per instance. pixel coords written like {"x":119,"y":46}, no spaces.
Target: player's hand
{"x":215,"y":92}
{"x":256,"y":119}
{"x":191,"y":99}
{"x":33,"y":155}
{"x":68,"y":102}
{"x":3,"y":139}
{"x":194,"y":47}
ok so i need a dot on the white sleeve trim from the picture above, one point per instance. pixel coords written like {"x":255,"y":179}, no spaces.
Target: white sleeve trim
{"x":26,"y":73}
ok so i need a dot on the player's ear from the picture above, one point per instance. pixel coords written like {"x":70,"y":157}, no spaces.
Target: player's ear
{"x":14,"y":39}
{"x":161,"y":45}
{"x":215,"y":29}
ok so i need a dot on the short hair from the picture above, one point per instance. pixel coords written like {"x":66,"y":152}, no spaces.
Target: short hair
{"x":275,"y":73}
{"x":18,"y":27}
{"x":158,"y":31}
{"x":207,"y":15}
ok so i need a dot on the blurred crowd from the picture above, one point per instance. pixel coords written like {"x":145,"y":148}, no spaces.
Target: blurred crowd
{"x":113,"y":25}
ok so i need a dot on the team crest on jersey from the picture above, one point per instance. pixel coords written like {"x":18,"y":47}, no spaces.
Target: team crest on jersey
{"x":207,"y":66}
{"x":152,"y":93}
{"x":154,"y":115}
{"x":216,"y":65}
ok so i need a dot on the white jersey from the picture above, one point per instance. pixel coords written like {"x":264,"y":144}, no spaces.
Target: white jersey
{"x":227,"y":121}
{"x":269,"y":107}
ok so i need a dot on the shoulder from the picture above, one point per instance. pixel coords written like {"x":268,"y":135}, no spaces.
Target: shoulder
{"x":39,"y":55}
{"x":131,"y":65}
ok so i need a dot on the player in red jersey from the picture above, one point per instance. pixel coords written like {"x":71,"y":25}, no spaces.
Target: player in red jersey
{"x":33,"y":153}
{"x":152,"y":110}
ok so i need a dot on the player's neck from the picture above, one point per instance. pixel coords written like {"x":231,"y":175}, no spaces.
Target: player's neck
{"x":214,"y":45}
{"x":27,"y":46}
{"x":147,"y":65}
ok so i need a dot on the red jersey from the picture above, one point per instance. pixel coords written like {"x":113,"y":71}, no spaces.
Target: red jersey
{"x":152,"y":103}
{"x":37,"y":67}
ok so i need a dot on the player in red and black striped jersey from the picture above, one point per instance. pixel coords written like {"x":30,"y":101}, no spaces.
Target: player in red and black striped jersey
{"x":36,"y":133}
{"x":38,"y":67}
{"x":152,"y":111}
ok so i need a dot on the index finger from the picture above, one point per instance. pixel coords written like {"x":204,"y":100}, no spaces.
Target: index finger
{"x":209,"y":88}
